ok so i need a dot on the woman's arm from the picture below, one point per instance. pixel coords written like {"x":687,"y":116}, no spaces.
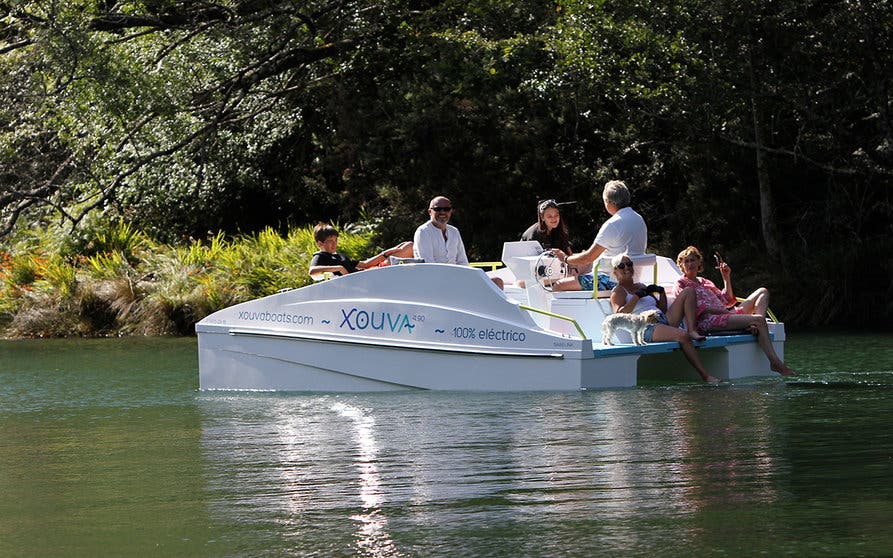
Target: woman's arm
{"x":404,"y":249}
{"x":662,"y":301}
{"x":619,"y":299}
{"x":727,"y":291}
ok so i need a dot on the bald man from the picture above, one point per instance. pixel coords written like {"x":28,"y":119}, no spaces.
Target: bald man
{"x":437,"y":241}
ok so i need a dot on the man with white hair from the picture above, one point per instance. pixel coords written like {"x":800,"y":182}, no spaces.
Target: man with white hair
{"x":623,"y":232}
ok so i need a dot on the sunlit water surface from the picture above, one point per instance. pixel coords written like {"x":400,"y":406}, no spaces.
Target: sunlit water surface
{"x":108,"y":449}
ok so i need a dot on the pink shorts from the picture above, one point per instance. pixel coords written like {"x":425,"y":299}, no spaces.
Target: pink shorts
{"x":713,"y":322}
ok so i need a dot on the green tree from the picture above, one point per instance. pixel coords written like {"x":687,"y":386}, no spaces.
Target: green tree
{"x":164,"y":110}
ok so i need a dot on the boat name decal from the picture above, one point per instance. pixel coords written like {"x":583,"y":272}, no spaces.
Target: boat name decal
{"x":280,"y":317}
{"x":355,"y":319}
{"x":489,"y":334}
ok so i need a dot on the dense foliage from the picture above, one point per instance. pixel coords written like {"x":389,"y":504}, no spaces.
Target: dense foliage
{"x":760,"y":129}
{"x":113,"y":280}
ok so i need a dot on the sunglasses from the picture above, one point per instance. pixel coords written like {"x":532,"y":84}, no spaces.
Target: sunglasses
{"x":624,"y":265}
{"x":441,"y":209}
{"x":544,"y":205}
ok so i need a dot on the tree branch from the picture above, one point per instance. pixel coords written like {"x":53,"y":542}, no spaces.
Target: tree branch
{"x":14,"y":46}
{"x":31,"y":197}
{"x":800,"y":157}
{"x":121,"y":22}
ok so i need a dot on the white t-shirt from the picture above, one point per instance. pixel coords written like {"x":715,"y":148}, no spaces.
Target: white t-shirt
{"x":625,"y":231}
{"x":428,"y":243}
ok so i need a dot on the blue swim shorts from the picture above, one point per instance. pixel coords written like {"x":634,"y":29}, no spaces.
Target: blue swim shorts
{"x":604,"y":282}
{"x":648,"y":335}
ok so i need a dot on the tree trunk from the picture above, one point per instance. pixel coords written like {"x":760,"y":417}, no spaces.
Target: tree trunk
{"x":767,"y":205}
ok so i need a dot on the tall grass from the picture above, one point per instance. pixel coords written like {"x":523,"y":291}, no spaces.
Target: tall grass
{"x":113,"y":280}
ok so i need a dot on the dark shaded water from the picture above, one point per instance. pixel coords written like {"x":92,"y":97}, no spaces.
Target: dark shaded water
{"x":107,"y":448}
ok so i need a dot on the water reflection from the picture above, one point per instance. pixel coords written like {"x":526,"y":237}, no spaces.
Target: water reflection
{"x":372,"y":536}
{"x":388,"y":475}
{"x":289,"y":467}
{"x":727,"y":457}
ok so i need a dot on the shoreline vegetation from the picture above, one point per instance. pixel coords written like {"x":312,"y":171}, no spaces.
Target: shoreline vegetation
{"x":108,"y":279}
{"x":112,"y":280}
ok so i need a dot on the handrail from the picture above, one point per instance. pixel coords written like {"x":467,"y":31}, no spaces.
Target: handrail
{"x":554,"y":315}
{"x":595,"y":278}
{"x":491,"y":265}
{"x":768,"y":310}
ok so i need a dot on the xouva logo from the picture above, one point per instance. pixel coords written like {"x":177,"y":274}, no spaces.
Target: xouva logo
{"x":357,"y":319}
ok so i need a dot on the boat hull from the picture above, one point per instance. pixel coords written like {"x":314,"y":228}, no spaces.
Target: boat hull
{"x":232,"y":361}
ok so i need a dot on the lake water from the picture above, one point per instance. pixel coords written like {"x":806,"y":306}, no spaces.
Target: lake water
{"x":108,"y":449}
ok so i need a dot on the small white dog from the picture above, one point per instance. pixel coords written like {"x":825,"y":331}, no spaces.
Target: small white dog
{"x":633,"y":323}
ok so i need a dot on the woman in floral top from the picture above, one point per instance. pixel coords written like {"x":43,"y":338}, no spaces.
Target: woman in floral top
{"x":717,"y":310}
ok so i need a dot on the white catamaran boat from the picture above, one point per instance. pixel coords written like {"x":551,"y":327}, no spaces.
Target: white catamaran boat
{"x":448,"y":327}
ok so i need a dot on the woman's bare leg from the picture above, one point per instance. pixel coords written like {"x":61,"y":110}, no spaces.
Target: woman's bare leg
{"x":758,"y":323}
{"x":757,"y":302}
{"x":403,"y":250}
{"x":685,"y":306}
{"x":670,"y":333}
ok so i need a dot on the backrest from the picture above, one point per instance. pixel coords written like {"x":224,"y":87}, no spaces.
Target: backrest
{"x":645,"y":267}
{"x":513,"y":252}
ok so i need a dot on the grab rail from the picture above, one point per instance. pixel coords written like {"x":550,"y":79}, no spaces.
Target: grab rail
{"x":554,"y":315}
{"x":492,"y":265}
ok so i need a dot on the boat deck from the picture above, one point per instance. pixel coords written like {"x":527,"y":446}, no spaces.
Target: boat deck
{"x":712,"y":342}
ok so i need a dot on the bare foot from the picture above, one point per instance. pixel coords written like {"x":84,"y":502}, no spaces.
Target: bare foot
{"x":695,"y":336}
{"x":712,"y":379}
{"x":782,"y":369}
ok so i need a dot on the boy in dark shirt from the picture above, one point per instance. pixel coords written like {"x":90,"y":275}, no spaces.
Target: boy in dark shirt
{"x":328,"y":260}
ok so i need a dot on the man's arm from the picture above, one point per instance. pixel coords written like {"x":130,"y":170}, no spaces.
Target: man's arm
{"x":596,"y":250}
{"x":587,"y":256}
{"x":461,"y":257}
